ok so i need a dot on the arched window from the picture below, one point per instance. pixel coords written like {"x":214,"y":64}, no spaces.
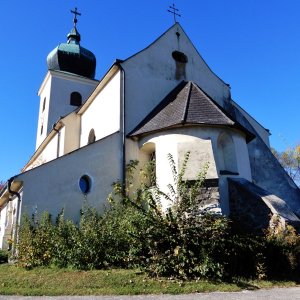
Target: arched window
{"x":180,"y":57}
{"x":227,"y":155}
{"x":150,"y":163}
{"x":92,"y":136}
{"x":152,"y":168}
{"x":75,"y":99}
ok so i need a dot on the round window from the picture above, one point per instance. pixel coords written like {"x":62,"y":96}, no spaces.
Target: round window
{"x":85,"y":184}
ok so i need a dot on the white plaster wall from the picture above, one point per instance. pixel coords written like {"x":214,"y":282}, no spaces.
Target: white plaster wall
{"x":57,"y":88}
{"x":134,"y":152}
{"x":8,"y":214}
{"x":178,"y":144}
{"x":49,"y":153}
{"x":243,"y":168}
{"x":201,"y":157}
{"x":242,"y":156}
{"x":70,"y":138}
{"x":3,"y":212}
{"x":150,"y":75}
{"x":55,"y":185}
{"x":62,"y":138}
{"x":202,"y":142}
{"x":103,"y":115}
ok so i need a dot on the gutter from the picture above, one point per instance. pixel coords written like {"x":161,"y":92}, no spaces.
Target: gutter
{"x":14,"y":193}
{"x":2,"y":190}
{"x":58,"y":138}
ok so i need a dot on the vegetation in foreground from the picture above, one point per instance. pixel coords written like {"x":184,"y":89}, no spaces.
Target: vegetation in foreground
{"x":182,"y":243}
{"x":59,"y":281}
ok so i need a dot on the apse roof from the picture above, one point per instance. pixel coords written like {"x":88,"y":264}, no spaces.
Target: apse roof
{"x":186,"y":104}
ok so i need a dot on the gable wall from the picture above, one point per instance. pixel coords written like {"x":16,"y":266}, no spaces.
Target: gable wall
{"x":151,"y":74}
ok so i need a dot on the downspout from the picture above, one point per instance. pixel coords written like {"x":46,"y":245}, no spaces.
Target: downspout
{"x":14,"y":193}
{"x":58,"y":138}
{"x":122,"y":94}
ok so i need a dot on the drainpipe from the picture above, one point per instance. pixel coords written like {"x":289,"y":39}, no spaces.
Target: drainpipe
{"x":123,"y":128}
{"x":14,"y":193}
{"x":58,"y":138}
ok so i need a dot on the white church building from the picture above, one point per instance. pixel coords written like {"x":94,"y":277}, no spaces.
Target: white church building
{"x":163,"y":99}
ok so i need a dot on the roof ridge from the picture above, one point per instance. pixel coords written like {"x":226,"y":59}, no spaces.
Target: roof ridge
{"x":183,"y":120}
{"x":216,"y":104}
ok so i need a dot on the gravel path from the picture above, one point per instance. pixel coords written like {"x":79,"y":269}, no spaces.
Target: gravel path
{"x":271,"y":294}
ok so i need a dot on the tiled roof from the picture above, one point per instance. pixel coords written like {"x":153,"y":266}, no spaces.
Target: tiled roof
{"x":187,"y":104}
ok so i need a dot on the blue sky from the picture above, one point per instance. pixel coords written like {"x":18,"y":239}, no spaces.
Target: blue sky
{"x":253,"y":45}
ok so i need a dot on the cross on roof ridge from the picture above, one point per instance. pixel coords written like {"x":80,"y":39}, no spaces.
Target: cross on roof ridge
{"x":174,"y":11}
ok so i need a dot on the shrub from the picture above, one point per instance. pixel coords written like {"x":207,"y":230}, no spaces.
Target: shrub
{"x":3,"y":256}
{"x":36,"y":245}
{"x":99,"y":241}
{"x":181,"y":241}
{"x":282,"y":251}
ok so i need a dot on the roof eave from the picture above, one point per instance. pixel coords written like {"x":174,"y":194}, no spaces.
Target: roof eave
{"x":248,"y":135}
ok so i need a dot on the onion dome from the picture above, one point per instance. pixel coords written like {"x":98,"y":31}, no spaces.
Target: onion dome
{"x":71,"y":57}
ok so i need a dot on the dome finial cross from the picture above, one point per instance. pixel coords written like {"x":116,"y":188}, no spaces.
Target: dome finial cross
{"x":75,"y":16}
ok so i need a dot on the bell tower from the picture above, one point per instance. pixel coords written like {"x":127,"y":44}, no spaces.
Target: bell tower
{"x":68,"y":82}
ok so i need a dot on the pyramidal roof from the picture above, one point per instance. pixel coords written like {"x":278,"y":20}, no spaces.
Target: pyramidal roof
{"x":186,"y":104}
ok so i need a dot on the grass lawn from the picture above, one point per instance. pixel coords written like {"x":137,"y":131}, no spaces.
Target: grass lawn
{"x":53,"y":282}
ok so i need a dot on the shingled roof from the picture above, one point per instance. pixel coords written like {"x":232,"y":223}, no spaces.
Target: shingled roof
{"x":187,"y":104}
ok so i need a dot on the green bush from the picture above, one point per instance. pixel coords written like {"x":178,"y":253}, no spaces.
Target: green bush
{"x":37,"y":241}
{"x":282,"y":251}
{"x":179,"y":242}
{"x":182,"y":241}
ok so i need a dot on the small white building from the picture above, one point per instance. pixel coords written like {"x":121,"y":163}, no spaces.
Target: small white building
{"x":163,"y":99}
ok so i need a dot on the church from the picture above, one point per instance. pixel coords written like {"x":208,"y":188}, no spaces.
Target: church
{"x":162,"y":100}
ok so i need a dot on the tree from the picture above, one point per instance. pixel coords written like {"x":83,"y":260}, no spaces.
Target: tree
{"x":290,"y":160}
{"x":2,"y":183}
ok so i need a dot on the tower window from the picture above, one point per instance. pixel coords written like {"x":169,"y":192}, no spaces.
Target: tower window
{"x":44,"y":104}
{"x":42,"y":128}
{"x":180,"y":61}
{"x":92,"y":136}
{"x":75,"y":99}
{"x":179,"y":57}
